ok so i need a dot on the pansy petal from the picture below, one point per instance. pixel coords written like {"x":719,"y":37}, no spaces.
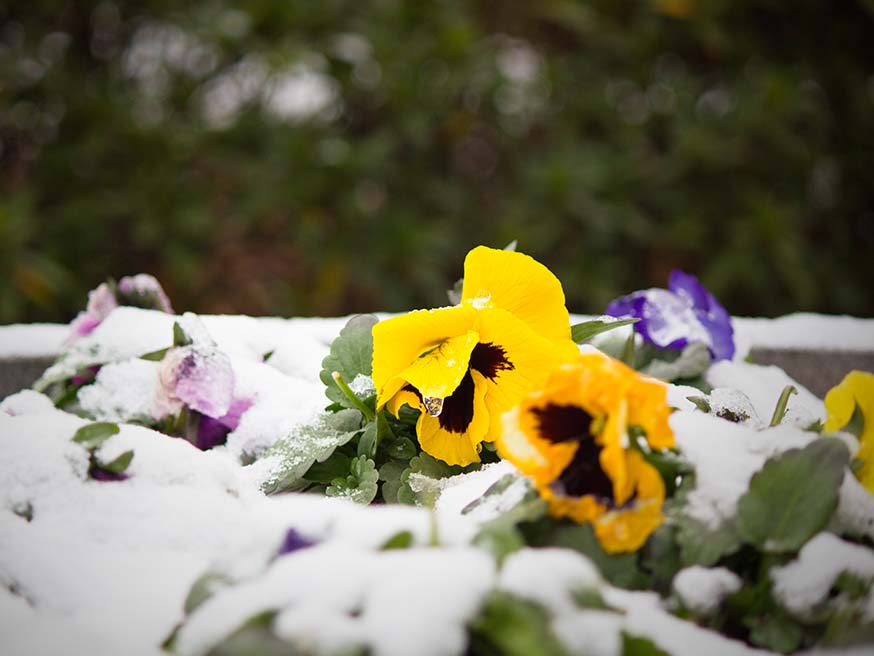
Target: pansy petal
{"x":438,"y":372}
{"x":398,"y":341}
{"x":402,"y":398}
{"x":856,"y":390}
{"x":626,"y":529}
{"x":612,"y":456}
{"x":529,"y":357}
{"x":709,"y":311}
{"x":688,"y":286}
{"x":519,"y":284}
{"x":518,"y":442}
{"x":670,"y":320}
{"x":840,"y":401}
{"x":580,"y":509}
{"x":442,"y":440}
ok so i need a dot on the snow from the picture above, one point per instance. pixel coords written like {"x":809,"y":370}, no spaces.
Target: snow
{"x":725,"y":456}
{"x":645,"y":616}
{"x":32,"y":340}
{"x":122,"y":391}
{"x":463,"y":494}
{"x":805,"y":583}
{"x":702,"y":589}
{"x":802,"y":331}
{"x":762,"y":386}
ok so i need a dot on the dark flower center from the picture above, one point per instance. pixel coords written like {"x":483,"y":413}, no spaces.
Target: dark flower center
{"x":583,"y":475}
{"x":457,"y":412}
{"x":489,"y":359}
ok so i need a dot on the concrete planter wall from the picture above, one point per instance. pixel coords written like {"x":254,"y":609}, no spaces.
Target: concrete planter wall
{"x":818,"y":371}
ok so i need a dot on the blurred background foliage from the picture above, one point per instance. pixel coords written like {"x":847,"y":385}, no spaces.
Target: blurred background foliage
{"x":298,"y":158}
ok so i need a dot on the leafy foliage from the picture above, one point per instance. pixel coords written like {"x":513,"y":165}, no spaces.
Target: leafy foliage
{"x":640,"y":135}
{"x":361,"y":483}
{"x":297,"y":452}
{"x":351,"y":355}
{"x":515,"y":627}
{"x":793,"y":496}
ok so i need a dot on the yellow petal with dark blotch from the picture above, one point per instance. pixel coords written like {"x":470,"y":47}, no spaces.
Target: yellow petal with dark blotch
{"x":529,"y":357}
{"x":452,"y":447}
{"x":579,"y":509}
{"x":536,"y":458}
{"x":399,"y":341}
{"x":519,"y":284}
{"x":438,"y":372}
{"x":627,"y":529}
{"x":404,"y":397}
{"x":612,"y":457}
{"x":648,"y":408}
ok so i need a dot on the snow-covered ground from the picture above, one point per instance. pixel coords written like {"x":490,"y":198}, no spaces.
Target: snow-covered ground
{"x":105,"y":568}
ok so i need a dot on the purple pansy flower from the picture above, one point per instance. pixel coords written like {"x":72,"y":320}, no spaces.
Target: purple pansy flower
{"x":141,"y":290}
{"x":293,"y":541}
{"x":683,"y":314}
{"x":212,"y":431}
{"x":101,"y":301}
{"x":199,"y":377}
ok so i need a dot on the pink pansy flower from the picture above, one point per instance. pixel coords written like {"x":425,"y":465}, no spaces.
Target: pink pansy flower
{"x":101,"y":301}
{"x":199,"y":377}
{"x":141,"y":290}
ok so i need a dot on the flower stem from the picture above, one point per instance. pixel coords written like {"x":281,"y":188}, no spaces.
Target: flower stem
{"x":780,"y":409}
{"x":349,"y":394}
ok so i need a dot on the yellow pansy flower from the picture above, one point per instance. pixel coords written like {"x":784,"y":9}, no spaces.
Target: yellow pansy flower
{"x":570,"y":438}
{"x":463,"y":366}
{"x":856,"y":390}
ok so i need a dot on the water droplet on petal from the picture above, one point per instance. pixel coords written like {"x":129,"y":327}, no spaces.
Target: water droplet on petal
{"x":434,"y":405}
{"x":481,"y":300}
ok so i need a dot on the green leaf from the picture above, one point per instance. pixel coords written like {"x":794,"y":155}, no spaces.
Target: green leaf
{"x":367,"y":441}
{"x":255,"y":637}
{"x":360,"y":485}
{"x":390,"y":473}
{"x":621,"y":570}
{"x":351,"y":354}
{"x":296,"y":453}
{"x":660,"y":556}
{"x":511,"y":626}
{"x":400,"y":540}
{"x":782,"y":402}
{"x":204,"y":588}
{"x":402,"y":448}
{"x":155,"y":356}
{"x":700,"y":545}
{"x":636,"y":646}
{"x":583,"y":332}
{"x":775,"y":630}
{"x":793,"y":496}
{"x":180,"y":337}
{"x":93,"y":435}
{"x":119,"y":464}
{"x":700,"y":402}
{"x":324,"y":472}
{"x":693,"y":361}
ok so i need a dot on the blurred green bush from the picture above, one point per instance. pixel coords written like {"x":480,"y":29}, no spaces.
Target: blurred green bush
{"x":295,"y":158}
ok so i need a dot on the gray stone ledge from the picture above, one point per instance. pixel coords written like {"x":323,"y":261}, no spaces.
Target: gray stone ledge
{"x":818,"y":371}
